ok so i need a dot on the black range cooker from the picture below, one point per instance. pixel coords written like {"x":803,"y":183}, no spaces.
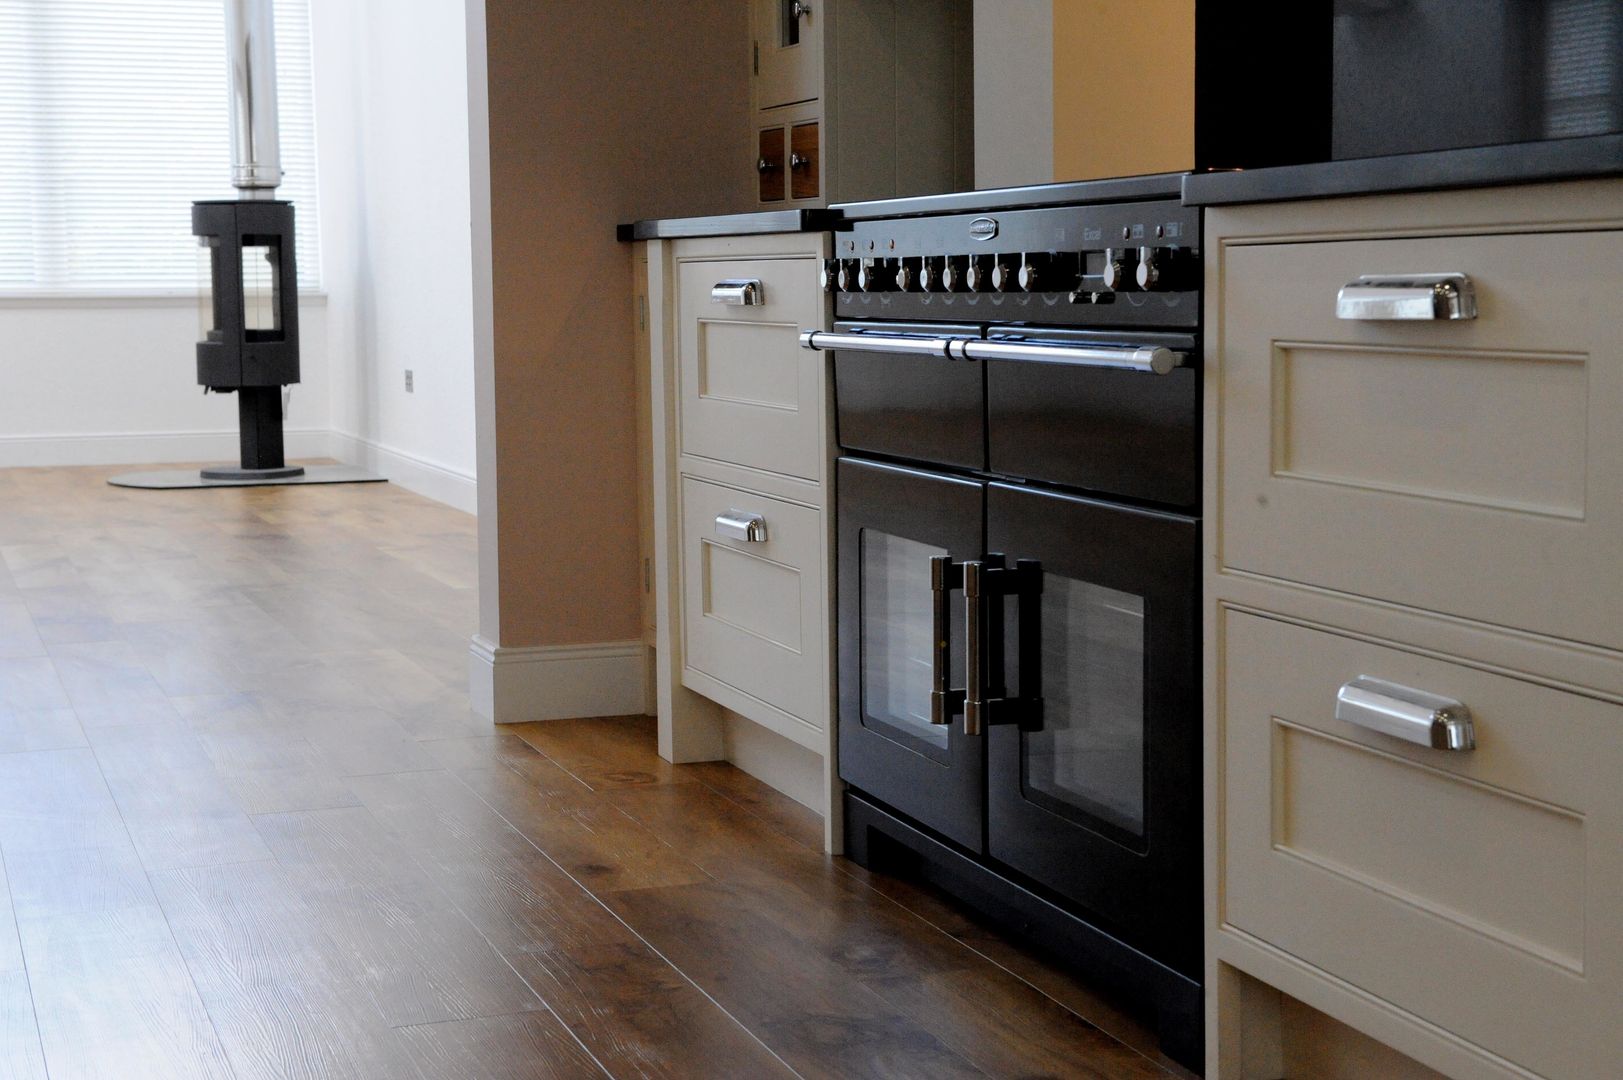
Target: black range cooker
{"x":1018,"y":402}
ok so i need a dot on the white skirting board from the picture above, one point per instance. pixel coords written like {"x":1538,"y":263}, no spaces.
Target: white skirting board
{"x":453,"y":487}
{"x":556,"y":682}
{"x":146,"y":447}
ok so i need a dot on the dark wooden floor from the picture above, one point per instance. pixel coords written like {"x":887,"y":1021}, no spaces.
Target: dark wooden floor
{"x":248,"y":827}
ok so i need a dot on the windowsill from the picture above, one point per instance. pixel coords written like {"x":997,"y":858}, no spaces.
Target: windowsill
{"x":103,"y":298}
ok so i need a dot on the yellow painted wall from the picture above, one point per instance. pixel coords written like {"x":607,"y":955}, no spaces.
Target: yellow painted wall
{"x":1124,"y":87}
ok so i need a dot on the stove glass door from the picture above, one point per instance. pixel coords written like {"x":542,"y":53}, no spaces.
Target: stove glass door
{"x":1087,"y":760}
{"x":1093,"y":757}
{"x":897,"y":638}
{"x":894,"y":522}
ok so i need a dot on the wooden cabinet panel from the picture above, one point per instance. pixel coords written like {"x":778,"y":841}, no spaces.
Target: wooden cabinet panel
{"x":1472,"y":467}
{"x":753,"y":610}
{"x":769,"y":164}
{"x":749,"y":394}
{"x":805,"y":162}
{"x":1474,"y":889}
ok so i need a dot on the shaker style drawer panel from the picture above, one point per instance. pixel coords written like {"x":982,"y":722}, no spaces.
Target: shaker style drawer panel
{"x":752,"y":600}
{"x":1475,"y":888}
{"x":1422,"y":460}
{"x":749,"y":394}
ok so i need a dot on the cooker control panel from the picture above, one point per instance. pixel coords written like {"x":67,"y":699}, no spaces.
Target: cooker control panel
{"x":1142,"y":255}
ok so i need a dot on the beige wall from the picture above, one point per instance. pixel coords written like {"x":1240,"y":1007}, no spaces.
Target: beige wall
{"x":597,"y":113}
{"x":1124,"y":87}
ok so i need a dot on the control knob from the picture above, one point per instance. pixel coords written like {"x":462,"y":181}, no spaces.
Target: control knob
{"x":1159,"y":268}
{"x":1003,"y":277}
{"x":848,"y":276}
{"x":907,"y":279}
{"x":979,"y":275}
{"x":829,"y":275}
{"x":873,"y":275}
{"x":954,"y":275}
{"x":930,"y":273}
{"x":1116,"y":275}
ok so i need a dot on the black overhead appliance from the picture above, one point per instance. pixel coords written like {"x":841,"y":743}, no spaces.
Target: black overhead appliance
{"x":1018,"y":401}
{"x":1336,"y":80}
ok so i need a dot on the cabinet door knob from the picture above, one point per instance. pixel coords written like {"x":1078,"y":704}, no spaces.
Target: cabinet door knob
{"x":1428,"y":297}
{"x":765,"y":166}
{"x":739,"y":292}
{"x":741,"y":525}
{"x":801,"y":9}
{"x":1404,"y":713}
{"x":796,"y":161}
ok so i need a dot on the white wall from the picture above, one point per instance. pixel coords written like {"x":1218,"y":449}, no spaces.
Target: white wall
{"x":392,"y":138}
{"x":1014,"y":92}
{"x":114,"y":381}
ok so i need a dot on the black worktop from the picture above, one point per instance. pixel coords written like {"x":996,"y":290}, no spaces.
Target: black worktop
{"x":764,"y":221}
{"x":1074,"y":193}
{"x":1516,"y":163}
{"x":1519,"y":163}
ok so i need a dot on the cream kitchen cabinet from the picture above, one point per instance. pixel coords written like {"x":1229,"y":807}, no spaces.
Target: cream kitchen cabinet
{"x":1437,"y":504}
{"x":739,"y":463}
{"x":860,"y":99}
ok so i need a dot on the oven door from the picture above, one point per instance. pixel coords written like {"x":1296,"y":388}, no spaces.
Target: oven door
{"x":898,"y":393}
{"x":1093,"y":754}
{"x":903,"y":537}
{"x":1092,"y":411}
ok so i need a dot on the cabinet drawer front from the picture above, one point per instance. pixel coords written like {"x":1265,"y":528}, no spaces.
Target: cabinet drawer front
{"x":1476,"y":889}
{"x":1420,"y":462}
{"x":753,"y":611}
{"x":749,"y":393}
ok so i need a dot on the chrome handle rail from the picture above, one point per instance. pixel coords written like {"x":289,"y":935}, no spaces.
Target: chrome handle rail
{"x":1153,"y":359}
{"x":741,"y":525}
{"x":1405,"y":713}
{"x":882,"y":343}
{"x":745,"y":292}
{"x":1424,"y":297}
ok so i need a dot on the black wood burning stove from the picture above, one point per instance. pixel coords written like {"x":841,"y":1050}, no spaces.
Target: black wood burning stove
{"x":250,"y":336}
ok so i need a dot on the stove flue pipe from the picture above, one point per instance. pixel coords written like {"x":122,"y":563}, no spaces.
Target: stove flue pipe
{"x":256,"y":151}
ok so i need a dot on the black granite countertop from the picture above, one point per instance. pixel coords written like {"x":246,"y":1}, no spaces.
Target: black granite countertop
{"x":765,"y":221}
{"x":1516,"y":163}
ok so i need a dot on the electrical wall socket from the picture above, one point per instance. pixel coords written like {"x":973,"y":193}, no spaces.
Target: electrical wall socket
{"x":408,"y":381}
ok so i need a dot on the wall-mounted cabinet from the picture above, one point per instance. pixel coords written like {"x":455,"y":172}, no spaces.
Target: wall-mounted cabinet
{"x":853,"y":101}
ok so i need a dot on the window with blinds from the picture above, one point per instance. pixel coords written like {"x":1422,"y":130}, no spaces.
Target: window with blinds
{"x":113,"y":119}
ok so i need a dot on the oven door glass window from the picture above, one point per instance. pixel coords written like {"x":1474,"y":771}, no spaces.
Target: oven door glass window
{"x":1087,"y":761}
{"x":897,"y":634}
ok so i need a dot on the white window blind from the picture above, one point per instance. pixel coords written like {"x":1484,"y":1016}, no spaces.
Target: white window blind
{"x":113,"y":119}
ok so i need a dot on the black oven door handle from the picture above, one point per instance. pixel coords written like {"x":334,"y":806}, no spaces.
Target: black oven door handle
{"x":945,"y":576}
{"x":903,"y":344}
{"x":986,"y":582}
{"x":1153,"y":359}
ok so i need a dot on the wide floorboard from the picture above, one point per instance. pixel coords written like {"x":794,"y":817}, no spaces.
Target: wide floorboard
{"x":249,"y":827}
